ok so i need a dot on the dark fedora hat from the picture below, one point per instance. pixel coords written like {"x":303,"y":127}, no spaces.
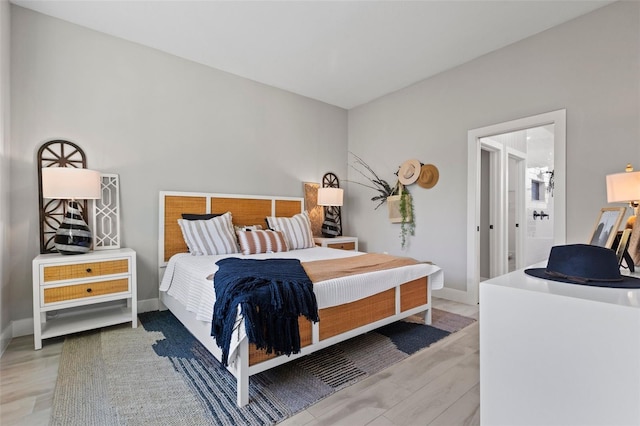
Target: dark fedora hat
{"x":584,"y":264}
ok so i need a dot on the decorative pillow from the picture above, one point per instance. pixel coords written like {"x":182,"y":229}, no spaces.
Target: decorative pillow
{"x":212,"y":236}
{"x":198,"y":216}
{"x":258,"y":241}
{"x":296,"y":230}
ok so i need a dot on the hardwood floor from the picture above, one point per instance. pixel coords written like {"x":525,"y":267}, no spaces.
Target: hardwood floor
{"x":437,"y":386}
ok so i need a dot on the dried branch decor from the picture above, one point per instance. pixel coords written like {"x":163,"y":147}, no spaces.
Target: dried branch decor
{"x":398,"y":198}
{"x":380,"y":185}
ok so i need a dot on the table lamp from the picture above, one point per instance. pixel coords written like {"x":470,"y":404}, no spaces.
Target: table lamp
{"x":625,"y":188}
{"x":332,"y":199}
{"x":70,"y":183}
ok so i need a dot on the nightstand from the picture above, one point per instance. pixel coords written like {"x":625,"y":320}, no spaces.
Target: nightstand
{"x":344,"y":243}
{"x":70,"y":291}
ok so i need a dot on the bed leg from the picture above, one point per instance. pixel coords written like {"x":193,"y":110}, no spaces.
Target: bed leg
{"x":427,"y":316}
{"x":242,"y":378}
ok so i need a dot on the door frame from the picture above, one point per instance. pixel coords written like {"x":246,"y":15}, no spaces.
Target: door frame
{"x":558,"y":118}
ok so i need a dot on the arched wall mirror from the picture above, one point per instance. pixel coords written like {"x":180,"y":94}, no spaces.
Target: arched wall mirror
{"x":57,"y":153}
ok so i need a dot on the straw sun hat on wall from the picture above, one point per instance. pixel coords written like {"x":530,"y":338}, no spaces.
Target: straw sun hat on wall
{"x":429,"y":176}
{"x":409,"y":172}
{"x":412,"y":171}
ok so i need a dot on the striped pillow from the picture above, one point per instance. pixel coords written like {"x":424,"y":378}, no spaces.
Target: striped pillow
{"x":296,"y":230}
{"x":253,"y":242}
{"x":206,"y":237}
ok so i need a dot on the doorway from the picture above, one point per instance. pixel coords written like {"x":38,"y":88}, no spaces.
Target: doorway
{"x":508,"y":191}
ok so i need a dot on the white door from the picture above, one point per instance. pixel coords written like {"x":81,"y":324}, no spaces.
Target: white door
{"x":492,"y":230}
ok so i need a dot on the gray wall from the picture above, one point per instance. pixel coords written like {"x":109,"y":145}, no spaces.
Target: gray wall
{"x":161,"y":123}
{"x":590,"y":66}
{"x":4,"y":173}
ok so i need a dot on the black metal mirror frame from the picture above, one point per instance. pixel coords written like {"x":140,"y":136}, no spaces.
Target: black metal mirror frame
{"x":57,"y":153}
{"x":330,"y":180}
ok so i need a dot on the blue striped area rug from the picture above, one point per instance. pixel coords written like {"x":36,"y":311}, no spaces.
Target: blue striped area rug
{"x":160,"y":374}
{"x":285,"y":390}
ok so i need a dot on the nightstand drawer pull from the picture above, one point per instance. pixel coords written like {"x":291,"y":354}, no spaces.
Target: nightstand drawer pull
{"x":84,"y":270}
{"x":79,"y":291}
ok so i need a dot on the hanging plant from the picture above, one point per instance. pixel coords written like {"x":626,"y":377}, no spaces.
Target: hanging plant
{"x":401,"y":211}
{"x":408,"y":224}
{"x":551,"y":181}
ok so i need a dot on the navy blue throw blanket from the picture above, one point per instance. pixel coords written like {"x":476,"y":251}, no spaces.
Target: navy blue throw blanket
{"x":272,"y":294}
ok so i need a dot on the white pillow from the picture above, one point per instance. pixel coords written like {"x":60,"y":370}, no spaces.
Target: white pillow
{"x":296,"y":230}
{"x":212,"y":236}
{"x":258,"y":241}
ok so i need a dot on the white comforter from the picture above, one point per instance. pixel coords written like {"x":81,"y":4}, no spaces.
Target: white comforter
{"x":185,"y":279}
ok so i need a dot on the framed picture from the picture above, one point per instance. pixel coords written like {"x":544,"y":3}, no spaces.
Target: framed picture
{"x":623,"y":244}
{"x":316,"y":212}
{"x":606,"y":228}
{"x":634,"y":243}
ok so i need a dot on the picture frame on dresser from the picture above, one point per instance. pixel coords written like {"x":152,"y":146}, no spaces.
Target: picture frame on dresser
{"x":634,"y":243}
{"x":606,"y":226}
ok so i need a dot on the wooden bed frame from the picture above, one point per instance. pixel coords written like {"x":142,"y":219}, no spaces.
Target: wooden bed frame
{"x":336,"y":324}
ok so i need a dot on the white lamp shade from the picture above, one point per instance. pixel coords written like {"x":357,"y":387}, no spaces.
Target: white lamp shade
{"x":70,"y":183}
{"x":623,"y":187}
{"x":330,"y":196}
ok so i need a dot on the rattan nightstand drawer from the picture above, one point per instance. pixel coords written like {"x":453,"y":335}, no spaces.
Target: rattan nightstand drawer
{"x":85,"y":270}
{"x":340,"y":243}
{"x":79,"y":291}
{"x":343,"y":246}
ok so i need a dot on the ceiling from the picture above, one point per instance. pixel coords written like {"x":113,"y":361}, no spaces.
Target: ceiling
{"x":345,"y":53}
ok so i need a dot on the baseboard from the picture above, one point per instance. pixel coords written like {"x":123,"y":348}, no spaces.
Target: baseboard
{"x":5,"y":338}
{"x":454,"y":295}
{"x":148,"y":305}
{"x":24,"y":327}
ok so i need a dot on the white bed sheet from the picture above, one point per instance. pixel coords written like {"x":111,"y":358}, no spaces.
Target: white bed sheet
{"x":185,"y":279}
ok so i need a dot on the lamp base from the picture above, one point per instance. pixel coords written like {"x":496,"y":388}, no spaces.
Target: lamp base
{"x":73,"y":236}
{"x":331,"y":226}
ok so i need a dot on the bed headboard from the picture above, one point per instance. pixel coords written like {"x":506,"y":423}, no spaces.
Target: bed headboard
{"x":245,"y":210}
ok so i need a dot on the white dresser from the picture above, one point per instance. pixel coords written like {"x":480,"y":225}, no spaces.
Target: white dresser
{"x":553,"y":353}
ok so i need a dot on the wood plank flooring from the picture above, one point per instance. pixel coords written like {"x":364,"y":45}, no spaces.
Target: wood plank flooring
{"x":438,"y":386}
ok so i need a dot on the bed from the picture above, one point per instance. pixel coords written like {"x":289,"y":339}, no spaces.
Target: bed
{"x":347,"y":305}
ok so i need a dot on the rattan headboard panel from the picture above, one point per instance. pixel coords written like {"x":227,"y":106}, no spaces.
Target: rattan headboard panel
{"x":174,"y":206}
{"x":245,"y":210}
{"x":287,"y":208}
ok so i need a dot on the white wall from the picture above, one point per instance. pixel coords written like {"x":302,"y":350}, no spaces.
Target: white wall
{"x":5,"y":23}
{"x":590,"y":66}
{"x":161,"y":123}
